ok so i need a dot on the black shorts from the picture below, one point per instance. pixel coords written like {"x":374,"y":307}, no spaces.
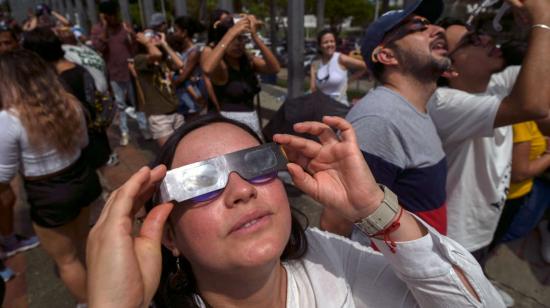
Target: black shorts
{"x":57,"y":200}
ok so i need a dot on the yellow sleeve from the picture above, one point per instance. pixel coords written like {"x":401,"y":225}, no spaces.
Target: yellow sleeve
{"x":523,"y":132}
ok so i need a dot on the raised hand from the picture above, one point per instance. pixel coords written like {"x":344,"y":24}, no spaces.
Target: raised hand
{"x":334,"y":171}
{"x":124,"y":271}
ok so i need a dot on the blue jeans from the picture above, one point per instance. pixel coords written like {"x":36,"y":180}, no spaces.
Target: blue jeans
{"x":530,"y":212}
{"x":120,"y":90}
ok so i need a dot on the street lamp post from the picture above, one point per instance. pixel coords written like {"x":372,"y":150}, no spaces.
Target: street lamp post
{"x":92,"y":11}
{"x":148,"y":10}
{"x":295,"y":41}
{"x":125,"y":11}
{"x":227,"y":5}
{"x":181,"y":7}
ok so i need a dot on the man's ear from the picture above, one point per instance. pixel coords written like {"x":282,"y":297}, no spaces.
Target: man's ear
{"x":387,"y":57}
{"x":169,"y":239}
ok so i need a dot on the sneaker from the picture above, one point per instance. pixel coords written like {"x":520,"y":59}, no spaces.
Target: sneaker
{"x":113,"y":160}
{"x":7,"y":274}
{"x":131,"y":112}
{"x":545,"y":240}
{"x":19,"y":245}
{"x":124,"y":139}
{"x":146,"y":134}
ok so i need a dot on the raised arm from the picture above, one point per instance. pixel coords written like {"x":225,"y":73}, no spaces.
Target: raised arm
{"x":269,"y":64}
{"x":358,"y":67}
{"x":211,"y":61}
{"x":334,"y":173}
{"x":522,"y":104}
{"x":153,"y":53}
{"x":174,"y":57}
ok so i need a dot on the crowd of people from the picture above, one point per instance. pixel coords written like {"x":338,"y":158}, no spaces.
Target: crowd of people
{"x":435,"y":167}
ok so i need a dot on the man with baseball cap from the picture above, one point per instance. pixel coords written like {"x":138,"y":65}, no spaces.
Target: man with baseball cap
{"x":406,"y":53}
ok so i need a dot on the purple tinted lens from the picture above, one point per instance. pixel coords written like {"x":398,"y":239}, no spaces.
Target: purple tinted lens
{"x":263,"y":178}
{"x":208,"y":196}
{"x":213,"y":194}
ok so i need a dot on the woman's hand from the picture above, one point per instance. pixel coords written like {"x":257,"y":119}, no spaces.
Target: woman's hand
{"x":336,"y":173}
{"x":241,"y":27}
{"x":123,"y":270}
{"x":254,"y":24}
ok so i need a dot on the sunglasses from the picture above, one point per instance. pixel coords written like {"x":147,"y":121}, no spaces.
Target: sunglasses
{"x":472,"y":38}
{"x":205,"y":180}
{"x":417,"y":24}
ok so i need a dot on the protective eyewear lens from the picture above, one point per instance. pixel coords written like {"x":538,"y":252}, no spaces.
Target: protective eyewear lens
{"x":205,"y":180}
{"x":262,"y":179}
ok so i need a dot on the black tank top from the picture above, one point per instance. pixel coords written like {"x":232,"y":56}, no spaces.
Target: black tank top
{"x":241,"y":87}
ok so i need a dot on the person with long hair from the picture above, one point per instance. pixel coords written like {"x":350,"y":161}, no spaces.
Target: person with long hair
{"x":233,"y":71}
{"x":239,"y":245}
{"x":330,"y":74}
{"x":43,"y":134}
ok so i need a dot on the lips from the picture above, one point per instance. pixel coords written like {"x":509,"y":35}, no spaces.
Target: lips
{"x":495,"y":52}
{"x":250,"y":222}
{"x":439,"y":44}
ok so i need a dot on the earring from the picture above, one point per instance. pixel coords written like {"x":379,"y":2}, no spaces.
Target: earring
{"x":178,"y":280}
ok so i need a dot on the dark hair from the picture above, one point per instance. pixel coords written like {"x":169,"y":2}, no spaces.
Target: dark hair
{"x":213,"y":31}
{"x":189,"y":24}
{"x":108,"y":7}
{"x":9,"y":30}
{"x":45,"y":43}
{"x":322,"y":33}
{"x":180,"y":289}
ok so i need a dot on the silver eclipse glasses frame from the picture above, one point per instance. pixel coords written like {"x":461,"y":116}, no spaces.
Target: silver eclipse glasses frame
{"x":206,"y":176}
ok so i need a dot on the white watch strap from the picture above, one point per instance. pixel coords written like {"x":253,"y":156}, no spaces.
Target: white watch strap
{"x":382,"y":216}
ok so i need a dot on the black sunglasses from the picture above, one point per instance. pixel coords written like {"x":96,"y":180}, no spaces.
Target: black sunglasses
{"x":416,"y":24}
{"x":472,"y":38}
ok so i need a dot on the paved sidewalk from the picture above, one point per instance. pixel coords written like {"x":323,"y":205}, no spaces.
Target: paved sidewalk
{"x":516,"y":267}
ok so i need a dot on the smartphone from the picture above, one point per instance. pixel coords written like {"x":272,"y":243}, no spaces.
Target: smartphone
{"x":150,"y":33}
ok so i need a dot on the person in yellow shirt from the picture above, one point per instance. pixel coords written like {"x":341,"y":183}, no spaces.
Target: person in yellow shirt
{"x":528,"y":197}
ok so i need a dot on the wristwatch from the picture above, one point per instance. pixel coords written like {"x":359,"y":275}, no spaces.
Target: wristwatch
{"x":382,"y":216}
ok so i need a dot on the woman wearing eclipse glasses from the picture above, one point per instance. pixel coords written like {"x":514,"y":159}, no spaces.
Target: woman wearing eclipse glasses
{"x":232,"y":240}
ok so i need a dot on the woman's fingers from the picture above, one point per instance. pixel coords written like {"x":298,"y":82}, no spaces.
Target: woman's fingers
{"x":325,"y":134}
{"x":122,"y":203}
{"x":345,"y":128}
{"x":297,"y":145}
{"x":303,"y":180}
{"x":153,"y":224}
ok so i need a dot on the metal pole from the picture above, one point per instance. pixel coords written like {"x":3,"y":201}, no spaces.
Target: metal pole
{"x":69,"y":13}
{"x":273,"y":26}
{"x":92,"y":11}
{"x":148,"y":10}
{"x":82,"y":18}
{"x":295,"y":41}
{"x":125,"y":11}
{"x":181,"y":7}
{"x":226,"y":5}
{"x":320,"y":15}
{"x":163,"y":9}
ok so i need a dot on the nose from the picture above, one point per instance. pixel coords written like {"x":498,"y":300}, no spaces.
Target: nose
{"x":437,"y":30}
{"x":238,"y":191}
{"x":486,"y":39}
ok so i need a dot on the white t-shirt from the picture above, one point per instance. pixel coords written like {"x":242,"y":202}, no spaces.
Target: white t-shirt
{"x":91,"y":61}
{"x":337,"y":272}
{"x":478,"y":157}
{"x":16,"y":153}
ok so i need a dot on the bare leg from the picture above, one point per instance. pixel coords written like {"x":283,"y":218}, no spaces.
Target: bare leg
{"x":62,"y":244}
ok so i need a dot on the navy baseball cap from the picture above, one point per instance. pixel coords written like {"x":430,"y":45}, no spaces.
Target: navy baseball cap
{"x":429,"y":9}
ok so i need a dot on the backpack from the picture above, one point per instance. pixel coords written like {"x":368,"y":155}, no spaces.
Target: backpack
{"x":101,"y":107}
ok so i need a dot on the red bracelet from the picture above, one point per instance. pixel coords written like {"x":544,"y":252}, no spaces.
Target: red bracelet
{"x":388,"y":230}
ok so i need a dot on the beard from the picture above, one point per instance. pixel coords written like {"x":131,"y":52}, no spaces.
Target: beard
{"x":423,"y":67}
